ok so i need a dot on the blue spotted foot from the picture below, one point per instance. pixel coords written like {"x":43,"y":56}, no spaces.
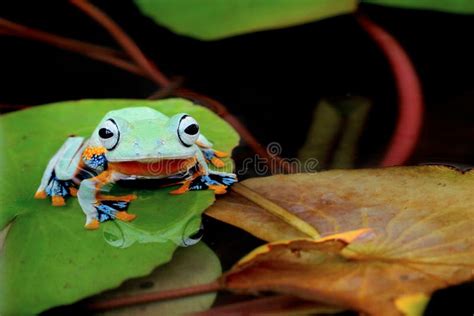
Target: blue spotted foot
{"x":110,"y":208}
{"x":216,"y":181}
{"x":58,"y":190}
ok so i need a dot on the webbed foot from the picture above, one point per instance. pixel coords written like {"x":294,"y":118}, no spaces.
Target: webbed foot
{"x":216,"y":181}
{"x":58,"y":190}
{"x":114,"y":209}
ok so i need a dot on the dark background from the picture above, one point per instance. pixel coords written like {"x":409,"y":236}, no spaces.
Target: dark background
{"x":270,"y":80}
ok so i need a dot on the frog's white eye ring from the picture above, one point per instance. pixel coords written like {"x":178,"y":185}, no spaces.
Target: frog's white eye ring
{"x":188,"y":130}
{"x":109,"y":134}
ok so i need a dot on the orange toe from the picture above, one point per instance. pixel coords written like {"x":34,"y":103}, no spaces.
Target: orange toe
{"x":220,"y":154}
{"x":124,"y":216}
{"x":40,"y":195}
{"x":73,"y":192}
{"x":58,"y":200}
{"x":182,"y":189}
{"x":217,"y":162}
{"x":93,"y":225}
{"x":218,"y":189}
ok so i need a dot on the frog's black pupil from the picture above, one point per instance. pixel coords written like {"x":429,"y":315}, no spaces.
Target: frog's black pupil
{"x":192,"y":129}
{"x":105,"y":133}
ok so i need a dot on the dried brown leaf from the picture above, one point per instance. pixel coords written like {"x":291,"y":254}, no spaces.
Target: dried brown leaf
{"x":422,"y":224}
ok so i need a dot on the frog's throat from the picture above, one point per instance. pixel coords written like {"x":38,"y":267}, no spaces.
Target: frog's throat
{"x":154,"y":168}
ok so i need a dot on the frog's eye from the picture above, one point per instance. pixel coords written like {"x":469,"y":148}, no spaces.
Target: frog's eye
{"x":109,"y":134}
{"x":188,"y":130}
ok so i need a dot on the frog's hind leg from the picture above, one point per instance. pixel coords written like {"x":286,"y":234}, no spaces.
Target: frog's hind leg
{"x":100,"y":208}
{"x":113,"y":209}
{"x":57,"y":178}
{"x":110,"y":207}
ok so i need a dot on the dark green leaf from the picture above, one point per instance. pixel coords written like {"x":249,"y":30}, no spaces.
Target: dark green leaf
{"x":215,"y":19}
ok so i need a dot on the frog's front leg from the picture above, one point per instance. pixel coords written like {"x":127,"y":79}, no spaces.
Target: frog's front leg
{"x":100,"y":208}
{"x":57,"y":181}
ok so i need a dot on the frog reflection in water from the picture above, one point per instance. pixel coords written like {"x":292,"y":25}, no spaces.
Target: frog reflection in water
{"x":131,"y":143}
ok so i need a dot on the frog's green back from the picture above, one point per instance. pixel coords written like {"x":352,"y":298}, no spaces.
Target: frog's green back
{"x":137,"y":114}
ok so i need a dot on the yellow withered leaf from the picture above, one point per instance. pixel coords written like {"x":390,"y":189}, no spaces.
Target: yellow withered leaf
{"x":421,"y":238}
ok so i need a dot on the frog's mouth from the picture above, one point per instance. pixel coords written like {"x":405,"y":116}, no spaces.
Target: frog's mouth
{"x":148,"y":159}
{"x":153,"y":167}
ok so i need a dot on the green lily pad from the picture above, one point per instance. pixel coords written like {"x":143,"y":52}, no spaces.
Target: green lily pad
{"x":48,"y":258}
{"x":453,"y":6}
{"x":215,"y":19}
{"x":190,"y":266}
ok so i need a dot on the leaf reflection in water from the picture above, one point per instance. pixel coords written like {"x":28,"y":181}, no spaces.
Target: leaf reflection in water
{"x":123,"y":235}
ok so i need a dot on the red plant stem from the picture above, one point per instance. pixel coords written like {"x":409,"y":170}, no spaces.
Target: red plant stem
{"x":12,"y":107}
{"x":140,"y":59}
{"x":108,"y":55}
{"x":267,"y":305}
{"x":114,"y":57}
{"x":124,"y":40}
{"x":410,"y":96}
{"x":271,"y":160}
{"x":155,"y":296}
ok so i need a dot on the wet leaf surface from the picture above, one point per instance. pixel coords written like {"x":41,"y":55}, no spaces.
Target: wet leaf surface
{"x":228,"y":18}
{"x":48,"y":258}
{"x":422,"y":223}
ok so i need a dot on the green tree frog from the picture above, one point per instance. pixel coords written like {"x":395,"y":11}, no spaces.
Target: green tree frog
{"x":128,"y":144}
